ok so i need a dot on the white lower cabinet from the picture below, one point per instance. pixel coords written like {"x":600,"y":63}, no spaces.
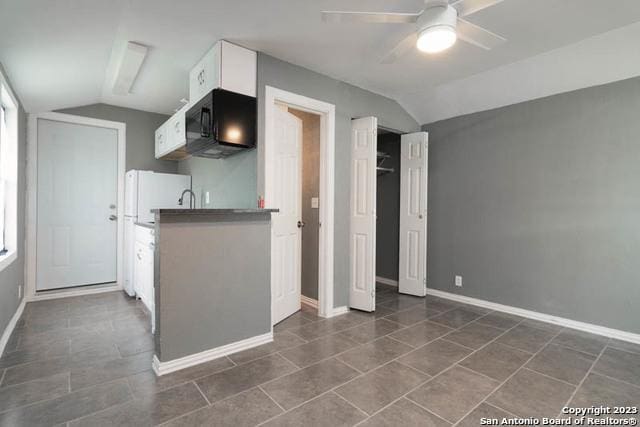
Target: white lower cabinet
{"x":143,"y":265}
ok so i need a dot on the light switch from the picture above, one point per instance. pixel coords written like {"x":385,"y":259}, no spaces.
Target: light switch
{"x":315,"y":203}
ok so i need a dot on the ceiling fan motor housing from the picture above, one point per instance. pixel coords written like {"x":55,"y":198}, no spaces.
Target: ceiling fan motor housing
{"x":438,"y":16}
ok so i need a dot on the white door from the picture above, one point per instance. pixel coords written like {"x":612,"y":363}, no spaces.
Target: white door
{"x":412,"y":277}
{"x":362,"y":245}
{"x":286,"y":235}
{"x":77,"y":193}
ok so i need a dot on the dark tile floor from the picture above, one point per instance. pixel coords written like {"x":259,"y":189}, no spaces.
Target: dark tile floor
{"x":415,"y":361}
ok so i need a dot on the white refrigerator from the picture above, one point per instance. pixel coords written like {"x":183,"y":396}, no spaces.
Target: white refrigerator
{"x":146,"y":190}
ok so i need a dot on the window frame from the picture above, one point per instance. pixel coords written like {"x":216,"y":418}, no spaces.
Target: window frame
{"x":9,"y":172}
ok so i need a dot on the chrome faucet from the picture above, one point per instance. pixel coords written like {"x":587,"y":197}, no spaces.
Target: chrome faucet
{"x":192,"y":196}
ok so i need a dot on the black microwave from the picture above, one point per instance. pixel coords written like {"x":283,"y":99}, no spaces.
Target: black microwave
{"x":221,"y":124}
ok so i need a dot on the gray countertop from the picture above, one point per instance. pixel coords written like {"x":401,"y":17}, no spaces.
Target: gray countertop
{"x":212,"y":211}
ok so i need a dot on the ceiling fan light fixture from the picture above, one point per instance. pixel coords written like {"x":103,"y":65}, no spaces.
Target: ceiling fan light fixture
{"x":436,"y":38}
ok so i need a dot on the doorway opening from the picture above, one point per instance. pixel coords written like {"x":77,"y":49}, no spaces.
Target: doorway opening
{"x":299,"y":181}
{"x":387,"y":211}
{"x":371,"y":213}
{"x":296,"y":228}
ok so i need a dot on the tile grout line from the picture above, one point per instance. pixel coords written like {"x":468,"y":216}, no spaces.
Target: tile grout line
{"x":271,"y":398}
{"x":549,"y":376}
{"x":508,"y":378}
{"x":429,"y":378}
{"x":573,"y":394}
{"x":432,"y":377}
{"x":206,"y":399}
{"x":616,"y":379}
{"x":366,"y":416}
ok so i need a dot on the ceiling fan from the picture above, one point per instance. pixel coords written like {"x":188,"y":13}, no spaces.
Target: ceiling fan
{"x":439,"y":24}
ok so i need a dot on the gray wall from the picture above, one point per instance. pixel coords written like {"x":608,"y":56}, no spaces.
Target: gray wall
{"x":537,"y":205}
{"x":231,"y":182}
{"x":351,"y":102}
{"x":141,"y":127}
{"x":310,"y":189}
{"x":13,"y":276}
{"x":210,"y":287}
{"x":388,"y":209}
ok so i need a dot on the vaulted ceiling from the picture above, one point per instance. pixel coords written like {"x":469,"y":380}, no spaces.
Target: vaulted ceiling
{"x":64,"y":53}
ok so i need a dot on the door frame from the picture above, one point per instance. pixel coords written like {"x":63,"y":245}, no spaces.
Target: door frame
{"x":327,"y":114}
{"x":31,"y":294}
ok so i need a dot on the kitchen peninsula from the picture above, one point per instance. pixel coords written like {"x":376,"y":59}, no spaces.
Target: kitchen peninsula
{"x":212,"y":284}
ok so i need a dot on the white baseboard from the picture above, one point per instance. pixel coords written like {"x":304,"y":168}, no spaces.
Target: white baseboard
{"x":548,"y":318}
{"x":386,"y":281}
{"x":309,"y":301}
{"x":163,"y":368}
{"x":11,"y":326}
{"x":339,"y":310}
{"x":74,"y":292}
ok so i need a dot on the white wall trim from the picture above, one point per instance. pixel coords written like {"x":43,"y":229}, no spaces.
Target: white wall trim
{"x":73,"y":292}
{"x":386,"y":281}
{"x":309,"y":301}
{"x":11,"y":326}
{"x":163,"y":368}
{"x":32,"y":180}
{"x":548,"y":318}
{"x":339,"y":310}
{"x":327,"y":114}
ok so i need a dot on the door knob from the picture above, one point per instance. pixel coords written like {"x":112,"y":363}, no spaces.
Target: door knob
{"x":300,"y":224}
{"x":112,"y":217}
{"x":420,"y":216}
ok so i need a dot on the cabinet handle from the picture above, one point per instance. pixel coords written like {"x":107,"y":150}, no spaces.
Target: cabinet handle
{"x":139,"y":257}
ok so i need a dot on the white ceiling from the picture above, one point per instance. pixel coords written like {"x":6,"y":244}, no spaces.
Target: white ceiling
{"x":63,"y":53}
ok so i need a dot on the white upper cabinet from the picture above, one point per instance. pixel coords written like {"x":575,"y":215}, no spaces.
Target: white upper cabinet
{"x":225,"y":66}
{"x":171,"y":137}
{"x":161,"y":140}
{"x":176,"y":136}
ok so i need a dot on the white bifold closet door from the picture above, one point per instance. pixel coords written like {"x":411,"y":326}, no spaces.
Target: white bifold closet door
{"x":362,"y":234}
{"x":77,"y":193}
{"x":286,"y":234}
{"x":412,"y":275}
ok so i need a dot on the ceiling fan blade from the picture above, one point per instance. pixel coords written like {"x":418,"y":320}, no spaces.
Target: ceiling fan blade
{"x":401,"y":49}
{"x":467,"y":7}
{"x":369,"y":17}
{"x":478,"y":36}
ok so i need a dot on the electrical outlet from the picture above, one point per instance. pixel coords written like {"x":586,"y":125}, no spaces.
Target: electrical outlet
{"x":459,"y":281}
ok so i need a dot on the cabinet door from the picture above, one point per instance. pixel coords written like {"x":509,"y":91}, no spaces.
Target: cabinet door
{"x":139,"y":270}
{"x":205,"y":76}
{"x":161,"y":141}
{"x":176,"y":131}
{"x":196,"y":81}
{"x":238,"y":68}
{"x":211,"y":70}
